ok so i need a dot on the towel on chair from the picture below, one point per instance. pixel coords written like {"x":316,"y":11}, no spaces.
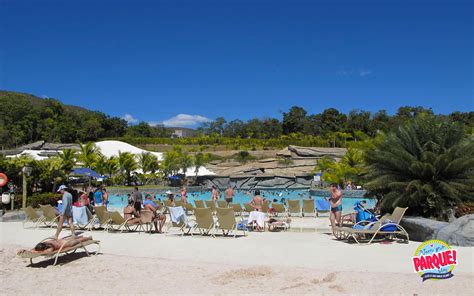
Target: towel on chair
{"x":79,"y":215}
{"x":177,"y":214}
{"x":258,"y":217}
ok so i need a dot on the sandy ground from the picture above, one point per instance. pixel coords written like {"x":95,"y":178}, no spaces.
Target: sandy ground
{"x":261,"y":263}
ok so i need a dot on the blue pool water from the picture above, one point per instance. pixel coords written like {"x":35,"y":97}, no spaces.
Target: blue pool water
{"x":118,"y":202}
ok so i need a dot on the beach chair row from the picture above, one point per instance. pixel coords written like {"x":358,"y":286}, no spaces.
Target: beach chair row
{"x":102,"y":219}
{"x":209,"y":222}
{"x":294,"y":207}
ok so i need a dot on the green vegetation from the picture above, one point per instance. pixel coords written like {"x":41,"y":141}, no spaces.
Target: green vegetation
{"x":340,"y":172}
{"x":243,"y":156}
{"x":25,"y":118}
{"x":413,"y":158}
{"x":426,"y":165}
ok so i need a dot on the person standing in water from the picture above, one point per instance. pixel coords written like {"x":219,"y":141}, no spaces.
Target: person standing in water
{"x":105,"y":197}
{"x":229,"y":194}
{"x":184,"y":193}
{"x":66,"y":212}
{"x":214,"y":193}
{"x":336,"y":206}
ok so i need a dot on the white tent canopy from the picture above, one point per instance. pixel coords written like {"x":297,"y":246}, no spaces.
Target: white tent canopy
{"x":112,"y":148}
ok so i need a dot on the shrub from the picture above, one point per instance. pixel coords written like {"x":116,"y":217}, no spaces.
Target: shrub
{"x":46,"y":198}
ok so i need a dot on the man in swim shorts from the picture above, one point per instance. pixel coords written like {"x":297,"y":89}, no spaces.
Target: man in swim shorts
{"x":336,"y":206}
{"x":229,"y":194}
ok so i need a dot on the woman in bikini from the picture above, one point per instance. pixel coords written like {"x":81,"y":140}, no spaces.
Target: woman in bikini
{"x":51,"y":245}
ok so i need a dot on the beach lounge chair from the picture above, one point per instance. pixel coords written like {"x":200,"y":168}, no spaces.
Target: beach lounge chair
{"x":294,"y":207}
{"x":32,"y":216}
{"x":226,"y":221}
{"x":248,"y":208}
{"x":211,"y":204}
{"x":103,"y":219}
{"x":199,"y":203}
{"x":49,"y":213}
{"x":266,"y":206}
{"x":237,"y":208}
{"x":204,"y":221}
{"x":322,"y":206}
{"x":189,"y":208}
{"x":169,"y":203}
{"x":278,"y":209}
{"x":119,"y":223}
{"x":308,"y":207}
{"x":88,"y":217}
{"x":387,"y":227}
{"x":179,"y":220}
{"x":146,"y":220}
{"x":279,"y":225}
{"x":63,"y":250}
{"x":222,"y":204}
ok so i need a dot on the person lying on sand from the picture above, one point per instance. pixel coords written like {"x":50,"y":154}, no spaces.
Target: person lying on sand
{"x":51,"y":245}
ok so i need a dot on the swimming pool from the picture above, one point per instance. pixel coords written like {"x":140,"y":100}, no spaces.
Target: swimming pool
{"x":118,"y":202}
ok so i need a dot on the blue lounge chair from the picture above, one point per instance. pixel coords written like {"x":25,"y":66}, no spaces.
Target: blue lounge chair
{"x":322,"y":206}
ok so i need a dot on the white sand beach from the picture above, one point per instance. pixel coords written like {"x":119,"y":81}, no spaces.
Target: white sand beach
{"x":261,"y":263}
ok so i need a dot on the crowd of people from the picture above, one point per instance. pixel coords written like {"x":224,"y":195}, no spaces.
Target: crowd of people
{"x":138,"y":201}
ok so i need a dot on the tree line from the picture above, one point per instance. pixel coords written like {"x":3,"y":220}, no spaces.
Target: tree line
{"x":25,"y":119}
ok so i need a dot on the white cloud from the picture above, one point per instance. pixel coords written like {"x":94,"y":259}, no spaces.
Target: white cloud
{"x":182,"y":120}
{"x":154,"y":123}
{"x":129,"y":119}
{"x":352,"y":72}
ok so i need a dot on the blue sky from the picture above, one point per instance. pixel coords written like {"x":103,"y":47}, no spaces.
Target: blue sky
{"x":154,"y":60}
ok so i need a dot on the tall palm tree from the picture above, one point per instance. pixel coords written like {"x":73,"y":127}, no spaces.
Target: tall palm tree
{"x":170,"y":163}
{"x":111,"y":166}
{"x":185,"y":161}
{"x":200,"y":159}
{"x":68,"y":158}
{"x":148,"y":162}
{"x":127,"y":164}
{"x":426,"y":165}
{"x":88,"y":155}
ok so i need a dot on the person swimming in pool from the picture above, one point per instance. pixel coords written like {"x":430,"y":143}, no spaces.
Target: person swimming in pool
{"x":336,"y":206}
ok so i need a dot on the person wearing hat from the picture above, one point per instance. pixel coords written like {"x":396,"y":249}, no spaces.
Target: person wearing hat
{"x":66,"y":211}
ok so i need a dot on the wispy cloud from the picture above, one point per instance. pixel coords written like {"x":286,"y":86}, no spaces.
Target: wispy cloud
{"x":354,"y":72}
{"x":129,"y":119}
{"x":182,"y":120}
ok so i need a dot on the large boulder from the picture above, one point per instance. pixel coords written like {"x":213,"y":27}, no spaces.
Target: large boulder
{"x":317,"y":151}
{"x":422,"y":229}
{"x":274,"y":182}
{"x":460,"y":232}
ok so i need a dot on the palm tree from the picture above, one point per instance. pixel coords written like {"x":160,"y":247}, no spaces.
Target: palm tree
{"x":88,"y":155}
{"x":170,"y":163}
{"x":111,"y":166}
{"x":199,"y":160}
{"x":148,"y":162}
{"x":127,"y":164}
{"x":426,"y":165}
{"x":68,"y":158}
{"x":185,"y":161}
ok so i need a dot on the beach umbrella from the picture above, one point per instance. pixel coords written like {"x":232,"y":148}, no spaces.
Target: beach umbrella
{"x":86,"y":172}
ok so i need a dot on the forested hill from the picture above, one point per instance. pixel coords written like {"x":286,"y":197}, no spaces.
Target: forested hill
{"x":25,"y":118}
